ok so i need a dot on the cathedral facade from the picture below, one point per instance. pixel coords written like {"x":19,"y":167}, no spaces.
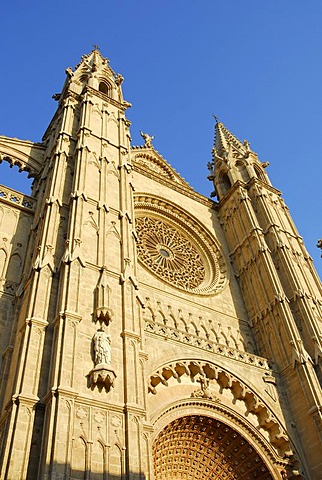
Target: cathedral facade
{"x":148,"y":332}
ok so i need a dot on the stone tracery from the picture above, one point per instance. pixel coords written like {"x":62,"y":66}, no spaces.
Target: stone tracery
{"x":176,"y":248}
{"x":169,"y":254}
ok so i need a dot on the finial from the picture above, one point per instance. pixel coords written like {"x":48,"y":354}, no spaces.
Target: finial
{"x":96,"y":47}
{"x":216,"y":118}
{"x":246,"y":145}
{"x":147,"y":139}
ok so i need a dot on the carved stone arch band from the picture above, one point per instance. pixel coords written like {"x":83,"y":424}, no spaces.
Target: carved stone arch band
{"x":195,"y":369}
{"x":26,"y":155}
{"x":189,"y":419}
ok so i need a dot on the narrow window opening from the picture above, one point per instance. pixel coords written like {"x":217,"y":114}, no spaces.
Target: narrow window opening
{"x":225,"y":183}
{"x":243,"y":172}
{"x":259,"y":173}
{"x":103,"y":88}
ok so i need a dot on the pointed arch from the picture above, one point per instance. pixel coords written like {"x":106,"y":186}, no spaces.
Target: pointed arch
{"x":182,"y":324}
{"x":104,"y":87}
{"x":254,"y":403}
{"x":79,"y":459}
{"x":98,"y":460}
{"x":148,"y":314}
{"x":259,"y":172}
{"x":160,"y":317}
{"x":204,"y":331}
{"x":14,"y":268}
{"x":115,"y":460}
{"x":172,"y":321}
{"x":194,"y":328}
{"x":242,"y":168}
{"x":190,"y":438}
{"x":224,"y":182}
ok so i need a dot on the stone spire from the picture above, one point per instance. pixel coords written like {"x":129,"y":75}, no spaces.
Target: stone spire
{"x":225,"y":140}
{"x":232,"y":161}
{"x":94,"y":71}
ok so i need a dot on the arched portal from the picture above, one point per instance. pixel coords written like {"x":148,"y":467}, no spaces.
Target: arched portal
{"x":197,"y":447}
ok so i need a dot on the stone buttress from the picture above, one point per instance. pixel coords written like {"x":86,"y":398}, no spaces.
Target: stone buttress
{"x":281,"y":289}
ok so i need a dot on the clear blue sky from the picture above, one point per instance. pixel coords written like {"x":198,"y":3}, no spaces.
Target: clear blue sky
{"x":255,"y":64}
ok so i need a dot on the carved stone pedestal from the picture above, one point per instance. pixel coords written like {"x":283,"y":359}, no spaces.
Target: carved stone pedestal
{"x":102,"y":375}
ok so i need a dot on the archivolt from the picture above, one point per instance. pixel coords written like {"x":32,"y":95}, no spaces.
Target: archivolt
{"x":193,"y":368}
{"x":198,"y":414}
{"x":155,"y":164}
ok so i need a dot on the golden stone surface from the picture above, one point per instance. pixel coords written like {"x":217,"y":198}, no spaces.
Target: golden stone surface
{"x":146,"y":331}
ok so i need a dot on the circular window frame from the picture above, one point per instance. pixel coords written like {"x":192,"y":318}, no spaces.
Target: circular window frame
{"x":190,"y":229}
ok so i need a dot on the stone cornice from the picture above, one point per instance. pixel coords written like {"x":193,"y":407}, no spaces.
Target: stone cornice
{"x":191,"y":340}
{"x":121,"y":106}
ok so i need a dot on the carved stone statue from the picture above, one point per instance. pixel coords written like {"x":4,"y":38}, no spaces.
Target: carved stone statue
{"x":102,"y":375}
{"x":102,"y":347}
{"x":319,"y":244}
{"x":147,"y":139}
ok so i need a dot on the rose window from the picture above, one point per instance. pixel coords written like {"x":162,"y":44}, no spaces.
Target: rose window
{"x":177,"y":248}
{"x":169,"y":253}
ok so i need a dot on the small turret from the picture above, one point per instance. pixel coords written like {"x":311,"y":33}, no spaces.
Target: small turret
{"x":233,"y":161}
{"x":95,"y":72}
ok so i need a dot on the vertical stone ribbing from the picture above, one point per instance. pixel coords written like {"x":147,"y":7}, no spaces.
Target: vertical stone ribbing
{"x":278,"y":282}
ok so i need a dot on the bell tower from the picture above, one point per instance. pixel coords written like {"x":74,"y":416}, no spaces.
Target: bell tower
{"x":74,"y":398}
{"x":280,"y":287}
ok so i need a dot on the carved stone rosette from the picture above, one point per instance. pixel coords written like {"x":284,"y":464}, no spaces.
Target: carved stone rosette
{"x":176,"y":248}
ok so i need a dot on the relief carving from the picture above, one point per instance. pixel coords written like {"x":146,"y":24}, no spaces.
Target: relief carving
{"x":204,"y":391}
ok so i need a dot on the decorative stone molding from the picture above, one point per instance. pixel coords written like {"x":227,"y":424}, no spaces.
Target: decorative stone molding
{"x":25,"y":154}
{"x":201,"y":447}
{"x":16,"y":198}
{"x":204,"y":391}
{"x":229,"y":421}
{"x":103,"y":313}
{"x":150,"y":163}
{"x":212,"y":373}
{"x":206,"y":344}
{"x":176,"y":248}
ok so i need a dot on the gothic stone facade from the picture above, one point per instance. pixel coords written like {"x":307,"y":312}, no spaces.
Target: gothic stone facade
{"x":148,"y":332}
